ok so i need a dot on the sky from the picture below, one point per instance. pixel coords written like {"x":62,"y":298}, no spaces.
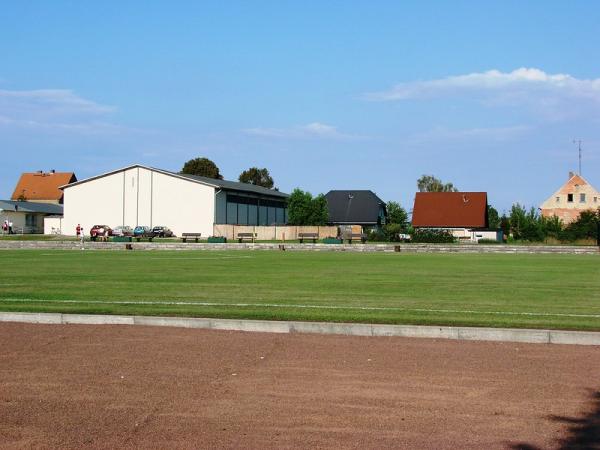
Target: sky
{"x":326,"y":95}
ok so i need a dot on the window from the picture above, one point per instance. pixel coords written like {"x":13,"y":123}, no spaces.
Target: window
{"x":570,"y":198}
{"x":557,"y":199}
{"x":581,"y":198}
{"x":595,"y":199}
{"x":30,"y":220}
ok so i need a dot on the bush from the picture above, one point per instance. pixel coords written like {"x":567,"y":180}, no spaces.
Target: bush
{"x":585,"y":227}
{"x":488,"y":241}
{"x":376,"y":235}
{"x":392,"y":230}
{"x":432,"y":236}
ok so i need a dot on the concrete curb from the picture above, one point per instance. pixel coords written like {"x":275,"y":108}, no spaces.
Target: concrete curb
{"x":361,"y":248}
{"x":348,"y":329}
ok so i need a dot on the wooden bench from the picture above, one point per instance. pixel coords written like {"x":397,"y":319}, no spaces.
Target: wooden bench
{"x":308,"y":236}
{"x":186,"y":236}
{"x":356,"y":237}
{"x":246,"y":237}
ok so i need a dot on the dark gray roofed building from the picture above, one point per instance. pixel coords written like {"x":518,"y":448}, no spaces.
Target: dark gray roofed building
{"x":355,"y":208}
{"x":27,"y":217}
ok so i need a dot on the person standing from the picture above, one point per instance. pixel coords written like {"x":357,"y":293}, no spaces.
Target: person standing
{"x":10,"y":228}
{"x":5,"y":227}
{"x":78,"y":230}
{"x":81,"y":236}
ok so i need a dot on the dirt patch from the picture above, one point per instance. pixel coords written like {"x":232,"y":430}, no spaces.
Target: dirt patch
{"x":69,"y":386}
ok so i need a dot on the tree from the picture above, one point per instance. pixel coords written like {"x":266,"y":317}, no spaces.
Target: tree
{"x":526,"y":225}
{"x":585,"y":227}
{"x":493,"y":218}
{"x":397,"y":222}
{"x":202,"y":167}
{"x":396,"y":213}
{"x":429,"y":183}
{"x":319,"y":214}
{"x":303,"y":209}
{"x":256,"y":176}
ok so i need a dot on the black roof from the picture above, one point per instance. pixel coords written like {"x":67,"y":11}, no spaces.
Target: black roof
{"x":31,"y":207}
{"x":353,"y":207}
{"x":234,"y":185}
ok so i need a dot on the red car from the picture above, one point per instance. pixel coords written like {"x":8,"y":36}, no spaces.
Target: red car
{"x":102,"y":231}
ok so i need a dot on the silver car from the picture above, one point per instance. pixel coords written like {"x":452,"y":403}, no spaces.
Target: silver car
{"x":122,"y":230}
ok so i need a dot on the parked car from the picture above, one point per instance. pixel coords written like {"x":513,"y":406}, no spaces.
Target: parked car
{"x":122,"y":230}
{"x":141,"y":230}
{"x":162,"y":231}
{"x":100,"y":231}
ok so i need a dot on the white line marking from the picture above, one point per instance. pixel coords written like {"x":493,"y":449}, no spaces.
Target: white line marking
{"x":280,"y":305}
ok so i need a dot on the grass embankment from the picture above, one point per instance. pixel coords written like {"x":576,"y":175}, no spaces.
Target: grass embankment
{"x":538,"y":291}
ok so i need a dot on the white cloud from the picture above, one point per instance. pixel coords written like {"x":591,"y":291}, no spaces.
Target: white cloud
{"x":61,"y":101}
{"x":56,"y":111}
{"x":314,"y":130}
{"x":496,"y":134}
{"x":519,"y":81}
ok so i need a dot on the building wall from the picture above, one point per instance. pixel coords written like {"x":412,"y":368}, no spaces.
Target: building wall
{"x":571,"y":199}
{"x":17,"y":218}
{"x":139,"y":196}
{"x":24,"y":222}
{"x":52,"y":223}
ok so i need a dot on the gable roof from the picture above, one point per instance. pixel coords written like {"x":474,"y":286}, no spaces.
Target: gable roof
{"x":450,"y":210}
{"x":353,"y":207}
{"x":233,"y":185}
{"x":575,"y":181}
{"x":31,"y":207}
{"x":222,"y":184}
{"x":42,"y":185}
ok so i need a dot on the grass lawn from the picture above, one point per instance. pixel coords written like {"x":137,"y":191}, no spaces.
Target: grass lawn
{"x":537,"y":291}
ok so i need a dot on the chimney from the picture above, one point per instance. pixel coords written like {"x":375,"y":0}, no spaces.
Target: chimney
{"x":571,"y":175}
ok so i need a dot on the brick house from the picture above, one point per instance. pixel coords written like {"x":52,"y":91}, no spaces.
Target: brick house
{"x":573,"y":197}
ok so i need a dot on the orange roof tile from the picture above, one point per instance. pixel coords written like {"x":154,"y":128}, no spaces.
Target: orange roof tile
{"x":450,"y":210}
{"x":42,"y":185}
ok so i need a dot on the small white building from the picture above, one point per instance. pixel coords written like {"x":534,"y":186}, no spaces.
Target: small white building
{"x":140,"y":195}
{"x":27,"y":217}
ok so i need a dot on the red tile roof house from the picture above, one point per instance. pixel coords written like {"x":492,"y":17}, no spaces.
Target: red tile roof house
{"x":464,"y":214}
{"x":42,"y":187}
{"x":36,"y":203}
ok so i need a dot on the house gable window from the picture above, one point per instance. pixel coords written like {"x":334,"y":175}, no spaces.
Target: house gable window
{"x":581,"y":198}
{"x":557,"y":199}
{"x":570,"y":198}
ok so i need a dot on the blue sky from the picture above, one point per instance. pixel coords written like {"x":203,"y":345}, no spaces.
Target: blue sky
{"x":326,"y":95}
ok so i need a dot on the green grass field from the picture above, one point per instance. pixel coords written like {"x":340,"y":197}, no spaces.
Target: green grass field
{"x":537,"y":291}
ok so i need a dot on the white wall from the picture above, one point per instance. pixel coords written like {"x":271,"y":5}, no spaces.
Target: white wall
{"x":17,"y":218}
{"x":51,"y":223}
{"x":139,"y":196}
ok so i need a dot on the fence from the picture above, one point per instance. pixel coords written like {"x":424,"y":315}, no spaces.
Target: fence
{"x":273,"y":233}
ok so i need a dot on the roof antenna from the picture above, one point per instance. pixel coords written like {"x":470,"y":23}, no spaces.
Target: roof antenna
{"x":578,"y":142}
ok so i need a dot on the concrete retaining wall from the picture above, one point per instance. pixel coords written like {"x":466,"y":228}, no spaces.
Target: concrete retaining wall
{"x":402,"y":248}
{"x":349,"y":329}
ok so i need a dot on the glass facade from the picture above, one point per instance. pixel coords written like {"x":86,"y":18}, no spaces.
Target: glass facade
{"x":246,"y":210}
